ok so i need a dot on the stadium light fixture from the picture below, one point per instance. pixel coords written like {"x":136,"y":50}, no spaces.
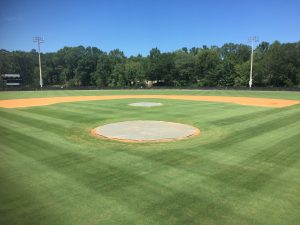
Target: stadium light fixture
{"x":252,"y":40}
{"x":39,"y":41}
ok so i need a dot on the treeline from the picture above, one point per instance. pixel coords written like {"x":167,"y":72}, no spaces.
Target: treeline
{"x":275,"y":65}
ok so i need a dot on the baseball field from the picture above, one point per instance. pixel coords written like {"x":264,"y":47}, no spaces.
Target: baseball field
{"x":243,"y":168}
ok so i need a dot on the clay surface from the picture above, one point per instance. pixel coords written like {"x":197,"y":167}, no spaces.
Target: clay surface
{"x":265,"y":102}
{"x":145,"y":104}
{"x":145,"y":131}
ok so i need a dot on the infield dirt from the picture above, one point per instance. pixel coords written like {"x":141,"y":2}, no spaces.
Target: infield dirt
{"x":264,"y":102}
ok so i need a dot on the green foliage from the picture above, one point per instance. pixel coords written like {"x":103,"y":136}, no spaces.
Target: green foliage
{"x":117,"y":77}
{"x":276,"y":65}
{"x":208,"y":67}
{"x":281,"y":65}
{"x":185,"y":68}
{"x":242,"y":74}
{"x":135,"y":72}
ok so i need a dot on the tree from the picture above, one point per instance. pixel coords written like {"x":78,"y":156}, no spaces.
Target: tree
{"x":280,"y":65}
{"x":208,"y":66}
{"x":185,"y":68}
{"x":242,"y":75}
{"x":118,"y":77}
{"x":275,"y":64}
{"x":103,"y":71}
{"x":154,"y":67}
{"x":135,"y":73}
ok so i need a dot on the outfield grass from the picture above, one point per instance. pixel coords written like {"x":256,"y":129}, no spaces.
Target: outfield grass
{"x":237,"y":93}
{"x":243,"y":169}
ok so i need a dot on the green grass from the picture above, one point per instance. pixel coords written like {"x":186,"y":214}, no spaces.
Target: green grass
{"x":257,"y":94}
{"x":243,"y":169}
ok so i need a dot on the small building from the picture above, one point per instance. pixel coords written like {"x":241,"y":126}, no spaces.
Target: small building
{"x":12,"y":79}
{"x":151,"y":83}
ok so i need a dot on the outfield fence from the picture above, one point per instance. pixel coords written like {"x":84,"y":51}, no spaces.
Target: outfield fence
{"x":30,"y":88}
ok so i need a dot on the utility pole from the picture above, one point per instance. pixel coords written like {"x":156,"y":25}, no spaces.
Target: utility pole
{"x":39,"y":41}
{"x":252,"y":40}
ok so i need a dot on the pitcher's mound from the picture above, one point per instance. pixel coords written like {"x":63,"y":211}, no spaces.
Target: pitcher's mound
{"x":146,"y":104}
{"x":146,"y":131}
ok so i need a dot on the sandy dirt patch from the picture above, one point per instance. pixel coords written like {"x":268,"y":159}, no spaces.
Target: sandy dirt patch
{"x":265,"y":102}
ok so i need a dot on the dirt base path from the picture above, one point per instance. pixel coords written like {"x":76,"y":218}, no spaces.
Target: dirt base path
{"x":265,"y":102}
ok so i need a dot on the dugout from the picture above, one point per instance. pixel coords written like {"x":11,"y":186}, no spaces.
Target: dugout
{"x":12,"y":80}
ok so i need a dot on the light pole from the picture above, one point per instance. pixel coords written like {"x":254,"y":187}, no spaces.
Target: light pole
{"x":39,"y":40}
{"x":252,"y":40}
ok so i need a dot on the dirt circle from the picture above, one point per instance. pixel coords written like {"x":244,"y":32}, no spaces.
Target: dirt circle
{"x":145,"y":131}
{"x":145,"y":104}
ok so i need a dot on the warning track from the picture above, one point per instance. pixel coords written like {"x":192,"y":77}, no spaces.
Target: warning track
{"x":264,"y":102}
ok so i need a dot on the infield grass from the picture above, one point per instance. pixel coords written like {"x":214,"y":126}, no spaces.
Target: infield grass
{"x":244,"y":168}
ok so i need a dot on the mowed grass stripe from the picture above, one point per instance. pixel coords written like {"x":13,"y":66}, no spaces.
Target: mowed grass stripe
{"x":258,"y":129}
{"x":236,"y":93}
{"x":66,"y":176}
{"x":63,"y":186}
{"x":109,"y":171}
{"x":71,"y":159}
{"x":64,"y":163}
{"x":30,"y":122}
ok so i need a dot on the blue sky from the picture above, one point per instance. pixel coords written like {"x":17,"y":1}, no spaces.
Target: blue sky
{"x":137,"y":26}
